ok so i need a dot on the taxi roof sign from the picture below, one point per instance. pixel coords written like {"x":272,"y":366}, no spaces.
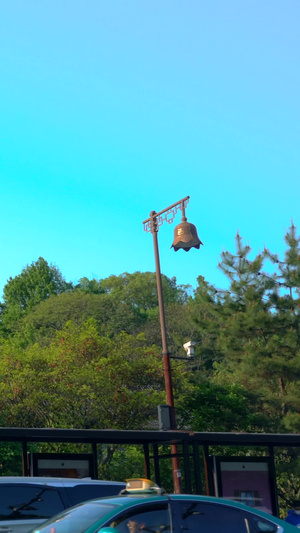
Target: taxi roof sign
{"x":141,"y":486}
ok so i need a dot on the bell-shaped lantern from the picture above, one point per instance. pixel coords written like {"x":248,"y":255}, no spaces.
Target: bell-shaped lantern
{"x":185,"y":236}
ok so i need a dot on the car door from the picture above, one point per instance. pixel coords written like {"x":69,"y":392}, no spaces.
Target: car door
{"x":206,"y":517}
{"x":154,"y":518}
{"x":22,"y":506}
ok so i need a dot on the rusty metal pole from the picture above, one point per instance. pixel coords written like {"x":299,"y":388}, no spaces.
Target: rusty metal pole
{"x":166,"y":356}
{"x":185,"y":237}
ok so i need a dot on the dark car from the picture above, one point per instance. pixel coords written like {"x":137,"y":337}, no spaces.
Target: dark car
{"x":26,"y":502}
{"x":149,"y":509}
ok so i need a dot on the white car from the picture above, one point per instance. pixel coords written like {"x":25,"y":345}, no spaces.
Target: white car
{"x":26,"y":502}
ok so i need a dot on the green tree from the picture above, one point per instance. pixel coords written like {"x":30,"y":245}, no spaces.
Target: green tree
{"x":89,"y":285}
{"x":121,"y":306}
{"x":259,"y":339}
{"x":213,"y":407}
{"x":35,"y":284}
{"x":139,"y":289}
{"x":208,"y":314}
{"x":83,"y":380}
{"x":112,"y":316}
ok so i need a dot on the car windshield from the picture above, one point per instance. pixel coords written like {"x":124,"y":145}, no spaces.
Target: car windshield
{"x":76,"y":520}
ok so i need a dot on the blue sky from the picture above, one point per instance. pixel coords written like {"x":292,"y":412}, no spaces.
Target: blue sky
{"x":111,"y":109}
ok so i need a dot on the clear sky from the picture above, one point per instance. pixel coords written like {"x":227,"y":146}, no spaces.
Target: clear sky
{"x":111,"y":109}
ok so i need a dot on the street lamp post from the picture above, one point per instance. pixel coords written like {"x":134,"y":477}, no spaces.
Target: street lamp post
{"x":185,"y":237}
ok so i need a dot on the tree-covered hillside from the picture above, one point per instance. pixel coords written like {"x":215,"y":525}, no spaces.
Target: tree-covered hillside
{"x":63,"y":338}
{"x":88,"y":355}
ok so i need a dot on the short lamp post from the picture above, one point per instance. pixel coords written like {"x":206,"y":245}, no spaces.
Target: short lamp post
{"x":185,"y":237}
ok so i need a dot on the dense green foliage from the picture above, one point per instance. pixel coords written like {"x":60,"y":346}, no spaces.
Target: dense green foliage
{"x":88,"y":355}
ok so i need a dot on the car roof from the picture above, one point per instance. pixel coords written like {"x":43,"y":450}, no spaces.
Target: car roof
{"x":61,"y":481}
{"x":140,"y":497}
{"x":130,"y":500}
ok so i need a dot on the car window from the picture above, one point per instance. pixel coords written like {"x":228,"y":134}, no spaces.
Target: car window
{"x":83,"y":492}
{"x":259,"y":525}
{"x":78,"y":519}
{"x":155,"y":519}
{"x":18,"y":502}
{"x":198,"y":517}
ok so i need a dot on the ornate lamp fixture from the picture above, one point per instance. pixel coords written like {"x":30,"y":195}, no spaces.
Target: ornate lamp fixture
{"x":185,"y":234}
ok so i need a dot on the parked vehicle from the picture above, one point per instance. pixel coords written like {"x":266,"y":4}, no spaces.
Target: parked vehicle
{"x":26,"y":502}
{"x":144,"y":507}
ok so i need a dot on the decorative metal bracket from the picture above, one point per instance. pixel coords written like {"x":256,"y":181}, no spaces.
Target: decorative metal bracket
{"x":156,"y":219}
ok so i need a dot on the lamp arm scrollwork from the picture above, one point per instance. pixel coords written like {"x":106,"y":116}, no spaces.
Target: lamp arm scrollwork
{"x":166,"y":215}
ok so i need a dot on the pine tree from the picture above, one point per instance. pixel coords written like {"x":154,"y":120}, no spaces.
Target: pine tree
{"x":260,"y":338}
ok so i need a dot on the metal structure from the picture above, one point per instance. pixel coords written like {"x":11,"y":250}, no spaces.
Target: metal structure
{"x":195,"y":449}
{"x":186,"y":238}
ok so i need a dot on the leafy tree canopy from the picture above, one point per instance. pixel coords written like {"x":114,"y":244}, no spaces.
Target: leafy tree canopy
{"x":83,"y":380}
{"x":35,"y":284}
{"x":139,"y":289}
{"x":50,"y":316}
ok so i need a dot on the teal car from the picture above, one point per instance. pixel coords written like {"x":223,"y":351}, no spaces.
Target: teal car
{"x":144,"y":508}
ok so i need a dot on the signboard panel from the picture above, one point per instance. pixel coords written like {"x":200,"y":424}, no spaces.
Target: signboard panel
{"x":73,"y":465}
{"x":248,"y":480}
